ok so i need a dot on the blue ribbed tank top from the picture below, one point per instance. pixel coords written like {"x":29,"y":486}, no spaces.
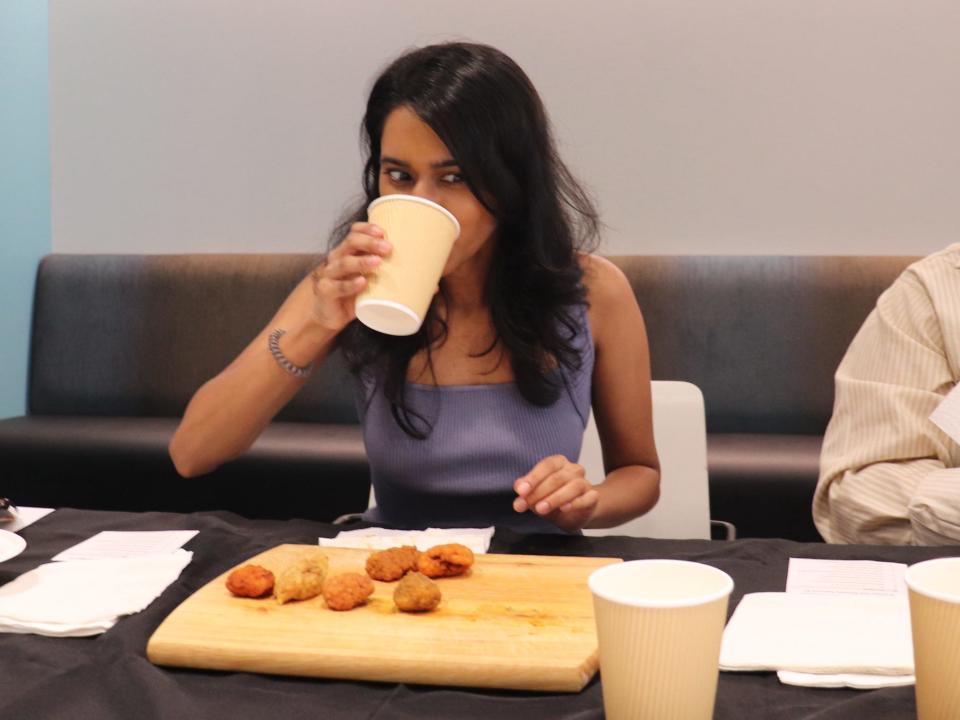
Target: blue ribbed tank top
{"x":484,"y":437}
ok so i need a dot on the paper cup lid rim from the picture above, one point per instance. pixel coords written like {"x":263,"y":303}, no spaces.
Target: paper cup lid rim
{"x":399,"y":196}
{"x":399,"y":307}
{"x":685,"y":602}
{"x":926,"y":592}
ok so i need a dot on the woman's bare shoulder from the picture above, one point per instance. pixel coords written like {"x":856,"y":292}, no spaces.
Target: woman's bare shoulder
{"x":606,"y":284}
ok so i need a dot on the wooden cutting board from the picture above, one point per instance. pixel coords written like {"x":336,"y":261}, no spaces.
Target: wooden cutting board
{"x":520,"y":622}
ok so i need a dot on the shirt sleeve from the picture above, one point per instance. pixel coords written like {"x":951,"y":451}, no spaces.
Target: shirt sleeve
{"x":882,"y":456}
{"x":934,"y":509}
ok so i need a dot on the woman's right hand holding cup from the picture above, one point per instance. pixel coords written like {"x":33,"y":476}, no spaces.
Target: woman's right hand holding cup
{"x":343,"y":274}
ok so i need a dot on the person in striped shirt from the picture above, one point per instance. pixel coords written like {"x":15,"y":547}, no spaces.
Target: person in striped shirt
{"x":888,"y":474}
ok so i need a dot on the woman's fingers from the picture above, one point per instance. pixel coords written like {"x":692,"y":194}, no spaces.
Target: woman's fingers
{"x":568,"y":493}
{"x":331,"y":288}
{"x":367,"y":228}
{"x":551,"y":484}
{"x":343,"y":272}
{"x":537,"y":499}
{"x":527,"y":484}
{"x":579,"y":502}
{"x":349,"y":266}
{"x":365,"y":238}
{"x":542,"y":470}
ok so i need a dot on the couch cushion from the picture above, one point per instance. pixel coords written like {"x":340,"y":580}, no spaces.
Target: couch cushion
{"x":136,"y":335}
{"x":760,"y":336}
{"x":293,"y":470}
{"x":764,"y":483}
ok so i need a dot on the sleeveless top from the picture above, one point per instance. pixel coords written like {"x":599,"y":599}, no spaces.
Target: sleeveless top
{"x":483,"y":438}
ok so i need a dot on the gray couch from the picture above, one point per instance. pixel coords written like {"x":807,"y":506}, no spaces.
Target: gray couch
{"x":121,"y":342}
{"x":119,"y":345}
{"x":761,"y":336}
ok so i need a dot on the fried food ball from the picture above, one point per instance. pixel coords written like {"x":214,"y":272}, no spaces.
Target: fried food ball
{"x":392,"y":564}
{"x":303,"y":579}
{"x":416,"y":593}
{"x":445,"y":560}
{"x":347,"y":590}
{"x":250,"y":581}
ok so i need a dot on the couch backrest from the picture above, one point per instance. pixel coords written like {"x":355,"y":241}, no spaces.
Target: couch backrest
{"x":138,"y":334}
{"x":761,"y":336}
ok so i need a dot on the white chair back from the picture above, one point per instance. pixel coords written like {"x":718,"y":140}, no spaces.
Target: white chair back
{"x":680,"y":432}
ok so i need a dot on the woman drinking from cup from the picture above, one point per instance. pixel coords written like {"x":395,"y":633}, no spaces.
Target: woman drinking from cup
{"x":475,"y":415}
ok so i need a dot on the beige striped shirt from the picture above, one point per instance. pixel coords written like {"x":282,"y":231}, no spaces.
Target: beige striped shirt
{"x":887,"y":473}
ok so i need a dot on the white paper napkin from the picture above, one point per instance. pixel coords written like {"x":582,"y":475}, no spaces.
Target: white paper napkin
{"x":85,"y":597}
{"x":25,"y":516}
{"x":477,"y":539}
{"x":840,"y":680}
{"x":108,"y":544}
{"x":819,"y":634}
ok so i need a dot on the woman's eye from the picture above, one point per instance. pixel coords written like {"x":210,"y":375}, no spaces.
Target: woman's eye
{"x":452,"y":178}
{"x":397,"y":176}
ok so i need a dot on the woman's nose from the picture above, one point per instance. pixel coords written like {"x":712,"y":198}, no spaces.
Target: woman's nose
{"x":426,"y":190}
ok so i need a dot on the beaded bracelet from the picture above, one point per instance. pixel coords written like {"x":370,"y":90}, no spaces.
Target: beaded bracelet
{"x":274,"y":344}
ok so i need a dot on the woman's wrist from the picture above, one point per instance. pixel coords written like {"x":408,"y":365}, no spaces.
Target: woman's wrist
{"x":634,"y":487}
{"x":304,"y":343}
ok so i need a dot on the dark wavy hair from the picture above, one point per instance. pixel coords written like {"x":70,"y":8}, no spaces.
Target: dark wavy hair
{"x":486,"y":111}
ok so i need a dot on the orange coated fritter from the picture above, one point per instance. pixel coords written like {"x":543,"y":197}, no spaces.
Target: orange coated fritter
{"x":392,"y":564}
{"x":416,"y":593}
{"x":250,"y":581}
{"x":445,"y":560}
{"x":347,"y":590}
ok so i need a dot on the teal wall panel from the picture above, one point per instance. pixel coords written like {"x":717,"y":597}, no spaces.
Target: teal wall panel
{"x":24,"y":185}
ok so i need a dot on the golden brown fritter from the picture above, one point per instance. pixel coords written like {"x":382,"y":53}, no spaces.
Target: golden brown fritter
{"x":303,"y":579}
{"x":445,"y":560}
{"x":347,"y":590}
{"x":392,"y":564}
{"x":250,"y":581}
{"x":416,"y":593}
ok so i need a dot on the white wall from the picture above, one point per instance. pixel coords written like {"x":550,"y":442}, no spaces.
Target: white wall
{"x":743,"y":126}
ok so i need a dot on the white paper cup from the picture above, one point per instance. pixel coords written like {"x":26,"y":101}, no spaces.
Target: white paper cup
{"x":659,"y":624}
{"x":422,"y":234}
{"x":934,"y":589}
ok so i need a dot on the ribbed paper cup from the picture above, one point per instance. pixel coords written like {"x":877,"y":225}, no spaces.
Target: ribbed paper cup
{"x":659,"y":623}
{"x":934,"y":588}
{"x":422,"y":234}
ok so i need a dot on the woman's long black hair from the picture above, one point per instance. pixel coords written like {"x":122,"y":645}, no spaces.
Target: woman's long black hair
{"x":486,"y":111}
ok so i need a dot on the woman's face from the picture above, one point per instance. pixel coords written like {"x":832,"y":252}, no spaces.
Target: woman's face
{"x":414,"y":161}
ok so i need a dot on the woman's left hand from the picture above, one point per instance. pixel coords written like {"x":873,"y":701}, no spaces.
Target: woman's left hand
{"x":558,"y":490}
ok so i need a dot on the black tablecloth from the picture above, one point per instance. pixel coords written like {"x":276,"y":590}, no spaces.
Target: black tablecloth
{"x":108,"y":676}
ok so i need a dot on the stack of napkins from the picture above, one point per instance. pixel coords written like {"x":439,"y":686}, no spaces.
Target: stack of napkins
{"x":819,"y":635}
{"x":76,"y":598}
{"x":840,"y":629}
{"x":477,"y":539}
